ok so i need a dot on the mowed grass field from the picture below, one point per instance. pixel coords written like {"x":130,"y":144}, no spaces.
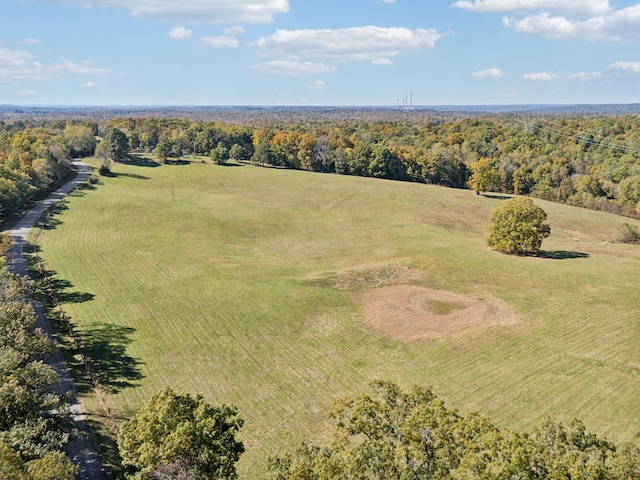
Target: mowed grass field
{"x":220,"y":281}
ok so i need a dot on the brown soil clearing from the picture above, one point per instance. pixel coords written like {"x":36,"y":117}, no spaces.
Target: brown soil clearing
{"x":408,"y":312}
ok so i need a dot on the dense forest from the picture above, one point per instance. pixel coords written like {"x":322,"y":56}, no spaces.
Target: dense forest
{"x":589,"y":162}
{"x":34,"y":158}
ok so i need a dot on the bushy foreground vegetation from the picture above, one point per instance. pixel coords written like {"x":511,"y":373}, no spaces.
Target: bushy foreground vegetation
{"x":383,"y":434}
{"x":391,"y":434}
{"x":34,"y":421}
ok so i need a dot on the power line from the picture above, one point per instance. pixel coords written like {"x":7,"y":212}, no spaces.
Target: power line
{"x":568,"y":132}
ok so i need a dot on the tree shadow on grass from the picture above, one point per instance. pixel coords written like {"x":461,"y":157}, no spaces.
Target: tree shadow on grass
{"x":128,"y":175}
{"x":57,"y":288}
{"x":140,"y":162}
{"x":106,"y":347}
{"x":561,"y":254}
{"x":48,"y":220}
{"x":495,"y":196}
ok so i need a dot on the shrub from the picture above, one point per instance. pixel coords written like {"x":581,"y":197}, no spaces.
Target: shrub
{"x":627,"y":233}
{"x":517,"y":227}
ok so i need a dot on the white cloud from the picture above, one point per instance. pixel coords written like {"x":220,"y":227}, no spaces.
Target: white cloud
{"x":615,"y":71}
{"x":180,"y":33}
{"x":26,"y":93}
{"x":343,"y":45}
{"x":195,"y":11}
{"x":292,"y":67}
{"x":540,"y":77}
{"x":488,"y":73}
{"x":236,"y":30}
{"x":619,"y":26}
{"x":586,"y":77}
{"x":588,"y":20}
{"x":19,"y":66}
{"x":318,"y":86}
{"x":620,"y":69}
{"x":388,"y":1}
{"x":103,"y":87}
{"x":222,"y":41}
{"x":584,"y":8}
{"x":382,"y":61}
{"x":31,"y":41}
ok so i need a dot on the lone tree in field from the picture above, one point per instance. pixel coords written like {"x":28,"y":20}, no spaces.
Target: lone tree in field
{"x":517,"y":227}
{"x":180,"y":434}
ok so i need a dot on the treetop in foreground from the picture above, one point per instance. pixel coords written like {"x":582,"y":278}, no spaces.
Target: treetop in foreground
{"x":517,"y":227}
{"x":392,"y":434}
{"x":178,"y":433}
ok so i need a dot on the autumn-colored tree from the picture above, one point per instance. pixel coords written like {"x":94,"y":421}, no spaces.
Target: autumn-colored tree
{"x":517,"y":227}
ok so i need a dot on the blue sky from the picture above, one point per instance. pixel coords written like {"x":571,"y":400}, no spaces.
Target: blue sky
{"x":319,"y":52}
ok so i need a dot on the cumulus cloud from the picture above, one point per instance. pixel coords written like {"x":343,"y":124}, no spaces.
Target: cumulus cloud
{"x":588,"y":20}
{"x":195,"y":11}
{"x":540,"y":77}
{"x":292,"y":67}
{"x":382,"y":61}
{"x":488,"y":73}
{"x":585,"y":8}
{"x":368,"y":43}
{"x":318,"y":86}
{"x":624,"y":69}
{"x":31,"y":41}
{"x":19,"y":66}
{"x":180,"y":33}
{"x":619,"y":26}
{"x":222,"y":41}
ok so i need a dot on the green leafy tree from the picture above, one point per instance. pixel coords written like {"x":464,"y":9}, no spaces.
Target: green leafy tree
{"x":485,"y":176}
{"x":174,"y":430}
{"x":80,"y":140}
{"x":263,"y":154}
{"x":392,"y":434}
{"x":162,"y":151}
{"x":117,"y":144}
{"x":220,"y":154}
{"x":517,"y":227}
{"x":53,"y":466}
{"x":236,"y":152}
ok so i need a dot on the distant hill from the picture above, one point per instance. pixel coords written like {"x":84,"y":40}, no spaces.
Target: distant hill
{"x":261,"y":113}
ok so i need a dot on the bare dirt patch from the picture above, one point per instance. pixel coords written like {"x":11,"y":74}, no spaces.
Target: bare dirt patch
{"x":371,"y":277}
{"x":408,"y":312}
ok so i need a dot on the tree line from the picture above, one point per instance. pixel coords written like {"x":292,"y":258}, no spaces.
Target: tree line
{"x":35,"y":423}
{"x":586,"y":161}
{"x":35,"y":157}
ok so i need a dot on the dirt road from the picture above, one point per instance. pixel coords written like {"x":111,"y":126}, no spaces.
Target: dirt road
{"x":83,"y":451}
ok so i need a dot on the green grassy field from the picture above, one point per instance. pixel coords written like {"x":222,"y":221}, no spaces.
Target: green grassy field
{"x":226,"y":288}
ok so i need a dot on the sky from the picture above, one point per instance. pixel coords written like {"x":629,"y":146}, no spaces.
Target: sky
{"x":319,"y":52}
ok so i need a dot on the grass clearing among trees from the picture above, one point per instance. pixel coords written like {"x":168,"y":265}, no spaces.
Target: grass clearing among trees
{"x":233,"y":290}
